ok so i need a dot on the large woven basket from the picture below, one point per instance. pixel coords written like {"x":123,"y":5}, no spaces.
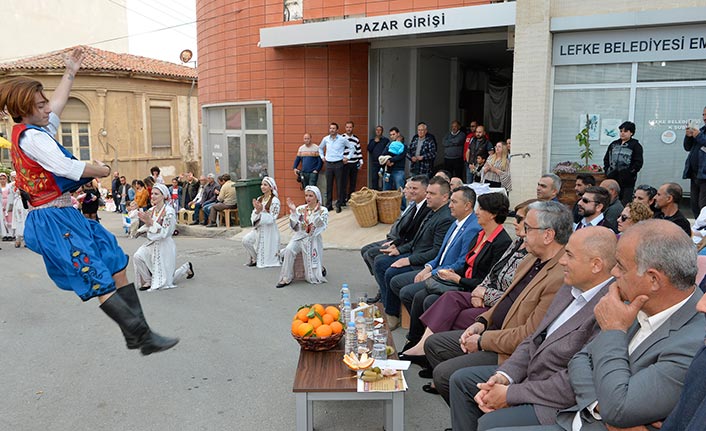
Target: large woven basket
{"x":388,"y":204}
{"x":364,"y":207}
{"x":317,"y":344}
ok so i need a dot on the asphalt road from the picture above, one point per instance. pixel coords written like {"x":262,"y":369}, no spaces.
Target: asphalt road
{"x":64,"y":365}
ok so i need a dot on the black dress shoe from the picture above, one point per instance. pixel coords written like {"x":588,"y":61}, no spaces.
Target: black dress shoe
{"x":251,"y":264}
{"x":428,"y":388}
{"x":329,"y":207}
{"x":426,"y":373}
{"x":338,"y":209}
{"x":191,"y":271}
{"x":420,"y":360}
{"x":375,"y":299}
{"x":281,"y":285}
{"x":323,"y":272}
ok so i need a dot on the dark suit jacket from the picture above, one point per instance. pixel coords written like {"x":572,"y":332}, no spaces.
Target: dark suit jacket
{"x":427,"y":241}
{"x":405,"y":227}
{"x":639,"y":388}
{"x":485,"y":260}
{"x":529,"y":308}
{"x":540,"y":369}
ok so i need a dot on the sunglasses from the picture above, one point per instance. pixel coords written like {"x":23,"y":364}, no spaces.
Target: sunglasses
{"x":519,"y":218}
{"x":623,"y":217}
{"x":587,"y":201}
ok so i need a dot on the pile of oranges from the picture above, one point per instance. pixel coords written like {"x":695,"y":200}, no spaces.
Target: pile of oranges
{"x":316,"y":321}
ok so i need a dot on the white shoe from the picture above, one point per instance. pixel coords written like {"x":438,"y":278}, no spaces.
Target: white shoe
{"x":393,"y":322}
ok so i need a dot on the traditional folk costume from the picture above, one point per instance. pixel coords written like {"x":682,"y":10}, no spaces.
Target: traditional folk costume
{"x":79,"y":254}
{"x":308,"y":225}
{"x":155,"y":260}
{"x":19,"y":214}
{"x":6,"y":210}
{"x":262,"y":243}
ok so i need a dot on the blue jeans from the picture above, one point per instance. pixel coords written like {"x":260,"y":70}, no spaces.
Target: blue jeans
{"x":207,"y":211}
{"x":396,"y":181}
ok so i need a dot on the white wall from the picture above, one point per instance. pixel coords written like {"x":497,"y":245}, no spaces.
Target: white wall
{"x":39,"y":26}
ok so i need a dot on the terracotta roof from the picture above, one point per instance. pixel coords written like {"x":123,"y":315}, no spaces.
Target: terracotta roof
{"x":98,"y":60}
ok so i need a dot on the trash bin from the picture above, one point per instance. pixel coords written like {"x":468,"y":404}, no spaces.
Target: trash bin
{"x":246,"y":190}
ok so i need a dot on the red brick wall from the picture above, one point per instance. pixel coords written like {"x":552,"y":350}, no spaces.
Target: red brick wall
{"x":308,"y":86}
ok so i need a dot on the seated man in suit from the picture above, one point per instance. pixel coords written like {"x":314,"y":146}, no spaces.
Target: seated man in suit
{"x":533,"y":385}
{"x":498,"y":331}
{"x":633,"y":371}
{"x":413,"y":255}
{"x":591,"y":206}
{"x":405,"y":227}
{"x":451,"y":254}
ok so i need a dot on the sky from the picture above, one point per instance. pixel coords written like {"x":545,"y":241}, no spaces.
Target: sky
{"x":146,"y":21}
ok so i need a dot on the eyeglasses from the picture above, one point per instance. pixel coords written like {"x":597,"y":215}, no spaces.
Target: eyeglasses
{"x":529,"y":228}
{"x":623,"y":217}
{"x":519,"y":218}
{"x":587,"y":201}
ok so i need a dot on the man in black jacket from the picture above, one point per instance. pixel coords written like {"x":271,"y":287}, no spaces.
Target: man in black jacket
{"x":413,"y":255}
{"x":406,"y":225}
{"x":623,"y":160}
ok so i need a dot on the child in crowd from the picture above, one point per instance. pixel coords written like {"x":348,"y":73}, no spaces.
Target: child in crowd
{"x":133,"y":221}
{"x":478,"y":174}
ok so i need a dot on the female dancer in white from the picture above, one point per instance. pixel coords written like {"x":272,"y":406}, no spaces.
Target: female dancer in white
{"x":262,"y":243}
{"x":155,"y":260}
{"x":308,"y":222}
{"x":19,"y":212}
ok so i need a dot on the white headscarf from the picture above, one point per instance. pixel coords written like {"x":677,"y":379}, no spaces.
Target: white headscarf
{"x":316,"y":191}
{"x":273,"y":185}
{"x":162,"y":188}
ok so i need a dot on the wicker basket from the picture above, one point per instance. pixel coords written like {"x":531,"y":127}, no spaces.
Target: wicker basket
{"x":364,"y":207}
{"x":388,"y":204}
{"x":317,"y":344}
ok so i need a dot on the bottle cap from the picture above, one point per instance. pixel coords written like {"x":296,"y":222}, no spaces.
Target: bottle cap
{"x":360,"y":313}
{"x":351,"y":324}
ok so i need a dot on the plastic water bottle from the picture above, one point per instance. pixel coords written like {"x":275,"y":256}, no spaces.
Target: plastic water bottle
{"x":351,"y":340}
{"x":344,"y":298}
{"x":361,"y":330}
{"x":346,"y":312}
{"x":345,"y":290}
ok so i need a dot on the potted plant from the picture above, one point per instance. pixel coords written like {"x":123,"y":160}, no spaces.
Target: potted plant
{"x":567,"y":170}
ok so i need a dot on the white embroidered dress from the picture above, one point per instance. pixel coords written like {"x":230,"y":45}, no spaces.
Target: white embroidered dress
{"x":307,"y":226}
{"x":19,"y":213}
{"x":155,"y":260}
{"x":6,"y":210}
{"x":262,"y":243}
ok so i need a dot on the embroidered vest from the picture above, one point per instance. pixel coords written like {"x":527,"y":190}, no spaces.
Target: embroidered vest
{"x":41,"y":185}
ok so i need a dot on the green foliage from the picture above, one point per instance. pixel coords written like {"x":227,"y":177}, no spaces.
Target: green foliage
{"x":585,"y":151}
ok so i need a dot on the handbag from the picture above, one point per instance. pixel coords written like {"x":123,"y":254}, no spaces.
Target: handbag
{"x":436,"y":285}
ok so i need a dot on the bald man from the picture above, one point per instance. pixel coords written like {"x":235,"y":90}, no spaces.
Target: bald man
{"x":533,"y":384}
{"x":615,"y":208}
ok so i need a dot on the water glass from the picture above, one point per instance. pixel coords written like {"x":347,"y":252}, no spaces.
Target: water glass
{"x":380,"y":336}
{"x":379,"y":351}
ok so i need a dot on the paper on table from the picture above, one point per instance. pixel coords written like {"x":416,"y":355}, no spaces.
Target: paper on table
{"x":391,"y":363}
{"x":394,"y":383}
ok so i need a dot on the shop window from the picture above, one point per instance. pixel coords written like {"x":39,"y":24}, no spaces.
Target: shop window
{"x":610,"y":106}
{"x":239,"y":140}
{"x":161,"y":128}
{"x":671,"y":71}
{"x":661,"y":115}
{"x":593,"y":74}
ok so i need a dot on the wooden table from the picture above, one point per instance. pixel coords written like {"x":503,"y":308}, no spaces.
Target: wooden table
{"x":317,"y":377}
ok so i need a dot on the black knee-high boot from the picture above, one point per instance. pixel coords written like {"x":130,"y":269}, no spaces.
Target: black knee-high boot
{"x":132,"y":322}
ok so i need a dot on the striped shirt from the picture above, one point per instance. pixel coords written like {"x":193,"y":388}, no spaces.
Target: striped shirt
{"x":357,"y":156}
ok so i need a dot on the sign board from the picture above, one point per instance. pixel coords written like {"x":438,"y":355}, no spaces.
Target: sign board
{"x":413,"y":23}
{"x":630,"y":45}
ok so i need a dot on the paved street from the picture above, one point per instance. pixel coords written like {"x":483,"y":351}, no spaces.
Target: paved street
{"x":64,"y":365}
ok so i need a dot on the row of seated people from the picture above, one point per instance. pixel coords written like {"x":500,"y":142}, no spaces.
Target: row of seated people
{"x":559,"y":330}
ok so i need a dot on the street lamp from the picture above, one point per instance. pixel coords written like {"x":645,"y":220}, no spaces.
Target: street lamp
{"x":185,"y":56}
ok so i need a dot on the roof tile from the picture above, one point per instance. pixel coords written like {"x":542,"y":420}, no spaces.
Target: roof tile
{"x":98,"y":60}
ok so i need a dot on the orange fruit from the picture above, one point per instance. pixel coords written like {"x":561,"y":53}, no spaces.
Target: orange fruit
{"x":315,"y":322}
{"x":333,"y":311}
{"x":319,"y":308}
{"x":295,"y":325}
{"x":305,"y":330}
{"x":328,"y":319}
{"x":336,"y":327}
{"x":301,"y":314}
{"x":324,"y":331}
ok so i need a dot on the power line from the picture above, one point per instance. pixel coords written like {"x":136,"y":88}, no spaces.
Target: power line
{"x":168,"y":11}
{"x":142,"y":15}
